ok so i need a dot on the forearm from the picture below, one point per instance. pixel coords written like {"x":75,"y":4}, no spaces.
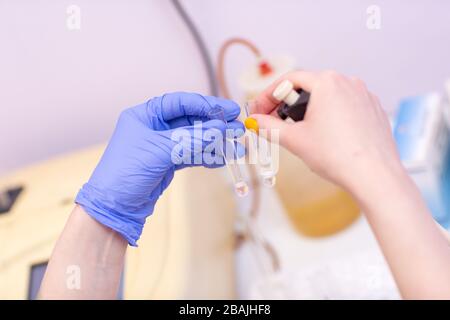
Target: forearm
{"x":86,"y":263}
{"x":415,"y":249}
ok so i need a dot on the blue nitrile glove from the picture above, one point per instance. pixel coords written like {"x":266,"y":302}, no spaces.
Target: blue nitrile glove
{"x":139,"y":163}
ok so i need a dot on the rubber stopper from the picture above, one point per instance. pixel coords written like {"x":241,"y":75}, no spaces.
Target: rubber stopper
{"x":251,"y":124}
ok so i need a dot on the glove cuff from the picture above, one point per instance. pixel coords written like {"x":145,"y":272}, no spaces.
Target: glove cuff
{"x":93,"y":203}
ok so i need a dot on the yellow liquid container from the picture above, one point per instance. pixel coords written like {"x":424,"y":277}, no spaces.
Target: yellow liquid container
{"x":315,"y":207}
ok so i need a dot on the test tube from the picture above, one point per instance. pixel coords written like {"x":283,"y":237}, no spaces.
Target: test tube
{"x":240,"y":185}
{"x":262,"y":147}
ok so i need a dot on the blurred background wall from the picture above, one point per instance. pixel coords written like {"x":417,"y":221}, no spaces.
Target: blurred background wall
{"x":62,"y":90}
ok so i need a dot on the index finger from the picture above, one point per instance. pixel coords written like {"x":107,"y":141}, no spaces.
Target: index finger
{"x":265,"y":103}
{"x":184,"y":104}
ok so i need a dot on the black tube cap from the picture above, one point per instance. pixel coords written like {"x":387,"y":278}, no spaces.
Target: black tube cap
{"x":296,"y":111}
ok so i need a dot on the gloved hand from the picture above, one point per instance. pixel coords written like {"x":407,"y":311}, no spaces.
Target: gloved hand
{"x":142,"y":155}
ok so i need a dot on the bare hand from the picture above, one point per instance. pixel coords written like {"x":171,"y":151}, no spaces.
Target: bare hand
{"x":345,"y":134}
